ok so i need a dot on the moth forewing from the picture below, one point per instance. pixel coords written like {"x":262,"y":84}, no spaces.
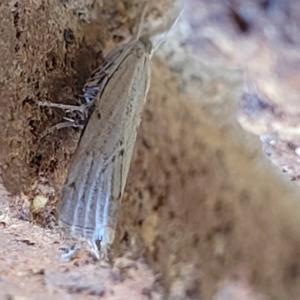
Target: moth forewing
{"x":97,"y":175}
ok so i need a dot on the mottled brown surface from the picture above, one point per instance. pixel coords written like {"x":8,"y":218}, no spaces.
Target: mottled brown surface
{"x":210,"y":215}
{"x":262,"y":37}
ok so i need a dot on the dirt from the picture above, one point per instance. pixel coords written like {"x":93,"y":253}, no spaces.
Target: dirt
{"x":204,"y":214}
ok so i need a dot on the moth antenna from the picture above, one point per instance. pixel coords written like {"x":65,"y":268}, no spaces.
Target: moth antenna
{"x":161,"y":41}
{"x":141,"y":23}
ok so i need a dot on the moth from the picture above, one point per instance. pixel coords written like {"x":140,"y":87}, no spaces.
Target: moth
{"x":97,"y":175}
{"x":115,"y":95}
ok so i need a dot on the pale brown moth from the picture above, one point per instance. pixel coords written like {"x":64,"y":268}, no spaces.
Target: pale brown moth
{"x":115,"y":96}
{"x":97,"y":175}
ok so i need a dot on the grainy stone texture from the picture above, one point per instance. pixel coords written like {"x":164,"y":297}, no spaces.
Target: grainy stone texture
{"x":212,"y":218}
{"x":262,"y":37}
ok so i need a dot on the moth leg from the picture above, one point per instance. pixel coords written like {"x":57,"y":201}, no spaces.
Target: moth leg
{"x":81,"y":108}
{"x":69,"y":254}
{"x":71,"y":123}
